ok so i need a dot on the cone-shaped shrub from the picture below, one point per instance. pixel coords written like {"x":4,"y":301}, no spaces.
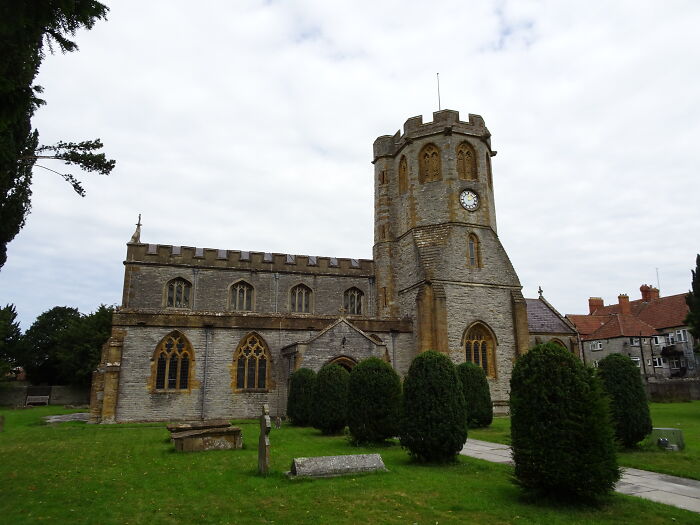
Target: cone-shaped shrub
{"x":300,"y":400}
{"x":433,"y":426}
{"x":329,"y":413}
{"x":561,"y":434}
{"x":374,"y":399}
{"x":628,"y":400}
{"x":477,"y":395}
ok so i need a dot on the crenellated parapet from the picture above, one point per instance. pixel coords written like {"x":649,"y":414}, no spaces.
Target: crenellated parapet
{"x":445,"y":122}
{"x":165,"y":254}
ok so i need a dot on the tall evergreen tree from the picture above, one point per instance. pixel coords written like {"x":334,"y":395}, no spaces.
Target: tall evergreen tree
{"x":693,"y":302}
{"x":10,"y":336}
{"x":25,"y":29}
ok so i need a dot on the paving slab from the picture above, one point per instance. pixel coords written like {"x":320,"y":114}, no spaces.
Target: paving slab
{"x":671,"y":490}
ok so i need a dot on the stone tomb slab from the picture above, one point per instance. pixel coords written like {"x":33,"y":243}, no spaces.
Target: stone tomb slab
{"x":198,"y":440}
{"x":198,"y":425}
{"x":331,"y":466}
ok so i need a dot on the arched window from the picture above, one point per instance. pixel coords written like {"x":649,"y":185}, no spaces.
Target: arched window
{"x":466,"y":162}
{"x":403,"y":175}
{"x":558,"y":342}
{"x":241,"y":297}
{"x":353,"y":301}
{"x":251,"y":363}
{"x":430,"y":163}
{"x":479,"y":347}
{"x":173,"y":363}
{"x":178,"y":293}
{"x":300,"y":299}
{"x":473,"y":251}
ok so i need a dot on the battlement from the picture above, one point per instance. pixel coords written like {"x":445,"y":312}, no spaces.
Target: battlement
{"x":165,"y":254}
{"x":445,"y":121}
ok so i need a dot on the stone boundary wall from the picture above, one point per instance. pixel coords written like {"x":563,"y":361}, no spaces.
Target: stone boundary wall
{"x":15,"y":395}
{"x":673,"y":390}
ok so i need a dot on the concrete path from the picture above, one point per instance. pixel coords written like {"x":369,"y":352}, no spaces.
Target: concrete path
{"x":671,"y":490}
{"x":78,"y":416}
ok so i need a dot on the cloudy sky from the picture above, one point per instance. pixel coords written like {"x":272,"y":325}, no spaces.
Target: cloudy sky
{"x":249,"y":125}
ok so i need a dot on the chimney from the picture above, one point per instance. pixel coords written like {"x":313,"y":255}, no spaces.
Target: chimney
{"x":624,"y":302}
{"x":654,"y":293}
{"x":646,"y":292}
{"x":594,"y":303}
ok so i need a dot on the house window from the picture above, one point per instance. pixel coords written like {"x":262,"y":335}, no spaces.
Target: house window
{"x":353,"y":301}
{"x":671,"y":338}
{"x":466,"y":162}
{"x":473,"y":251}
{"x":178,"y":293}
{"x":172,"y":363}
{"x":595,"y":345}
{"x":300,"y":299}
{"x":655,"y":340}
{"x":241,"y":297}
{"x":251,"y":364}
{"x":637,"y":361}
{"x":634,"y":341}
{"x":479,"y":346}
{"x":675,"y":364}
{"x":430,"y":163}
{"x":403,"y":175}
{"x":682,"y":335}
{"x":658,"y":362}
{"x":595,"y":364}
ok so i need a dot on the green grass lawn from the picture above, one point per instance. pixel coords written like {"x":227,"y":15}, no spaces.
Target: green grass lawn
{"x":103,"y":474}
{"x":685,"y":416}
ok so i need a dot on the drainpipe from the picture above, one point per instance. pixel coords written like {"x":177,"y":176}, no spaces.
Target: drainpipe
{"x":207,"y":331}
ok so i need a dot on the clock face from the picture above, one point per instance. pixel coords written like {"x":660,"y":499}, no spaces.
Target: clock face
{"x":469,"y":200}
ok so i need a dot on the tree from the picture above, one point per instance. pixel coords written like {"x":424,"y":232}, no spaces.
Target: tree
{"x":561,"y":433}
{"x":477,"y":396}
{"x":300,"y":401}
{"x":10,"y":336}
{"x":374,"y":401}
{"x":331,"y":399}
{"x":628,"y":399}
{"x":63,"y":347}
{"x":25,"y":28}
{"x":692,"y":299}
{"x":433,"y":426}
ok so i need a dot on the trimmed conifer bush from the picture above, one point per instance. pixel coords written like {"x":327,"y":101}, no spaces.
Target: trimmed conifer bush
{"x":374,"y":400}
{"x":329,"y":413}
{"x":561,"y":433}
{"x":628,"y":400}
{"x":300,"y":400}
{"x":433,"y":426}
{"x":477,"y":395}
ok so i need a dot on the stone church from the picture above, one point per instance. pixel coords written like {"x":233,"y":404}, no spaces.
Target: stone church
{"x":210,"y":333}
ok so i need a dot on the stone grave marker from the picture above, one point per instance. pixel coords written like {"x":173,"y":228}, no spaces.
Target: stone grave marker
{"x":264,"y":441}
{"x":330,"y":466}
{"x":198,"y":436}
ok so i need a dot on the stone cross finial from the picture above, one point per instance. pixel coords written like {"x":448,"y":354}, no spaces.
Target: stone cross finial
{"x":264,"y":441}
{"x":136,"y":237}
{"x":539,"y":291}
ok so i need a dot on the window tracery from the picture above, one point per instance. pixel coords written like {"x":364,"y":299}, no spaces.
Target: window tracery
{"x":473,"y":251}
{"x":403,"y":175}
{"x":251,"y":363}
{"x":241,"y":297}
{"x":173,"y":359}
{"x":479,"y":347}
{"x":466,"y":162}
{"x":353,"y":301}
{"x":430,"y":163}
{"x":300,"y":299}
{"x":178,"y":293}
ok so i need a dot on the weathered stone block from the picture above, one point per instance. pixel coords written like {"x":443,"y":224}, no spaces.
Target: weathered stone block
{"x":198,"y":425}
{"x":330,"y":466}
{"x":229,"y":438}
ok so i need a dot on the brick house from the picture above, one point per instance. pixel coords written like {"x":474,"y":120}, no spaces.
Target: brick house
{"x":650,"y":330}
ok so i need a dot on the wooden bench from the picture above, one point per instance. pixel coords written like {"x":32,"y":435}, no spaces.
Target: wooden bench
{"x":37,"y":400}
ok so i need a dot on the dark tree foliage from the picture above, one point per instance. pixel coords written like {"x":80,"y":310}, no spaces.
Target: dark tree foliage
{"x":433,"y":426}
{"x":692,"y":299}
{"x":63,"y":346}
{"x":561,"y":434}
{"x":26,"y":27}
{"x":628,"y":399}
{"x":330,"y":399}
{"x":300,"y":401}
{"x":374,"y":401}
{"x":477,"y":395}
{"x":10,"y":336}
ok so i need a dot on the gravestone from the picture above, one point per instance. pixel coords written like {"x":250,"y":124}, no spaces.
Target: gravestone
{"x":278,"y":422}
{"x":668,"y":438}
{"x":198,"y":425}
{"x":264,"y":441}
{"x":218,"y":438}
{"x":330,"y":466}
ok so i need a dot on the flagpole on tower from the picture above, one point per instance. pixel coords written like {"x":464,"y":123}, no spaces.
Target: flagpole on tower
{"x":438,"y":88}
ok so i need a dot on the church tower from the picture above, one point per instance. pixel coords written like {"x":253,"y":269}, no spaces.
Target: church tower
{"x":438,"y":258}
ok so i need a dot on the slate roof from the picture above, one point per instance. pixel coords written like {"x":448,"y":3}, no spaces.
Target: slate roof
{"x":542,"y":318}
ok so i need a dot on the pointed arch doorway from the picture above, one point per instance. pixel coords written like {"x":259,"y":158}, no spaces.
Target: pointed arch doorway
{"x":348,"y":363}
